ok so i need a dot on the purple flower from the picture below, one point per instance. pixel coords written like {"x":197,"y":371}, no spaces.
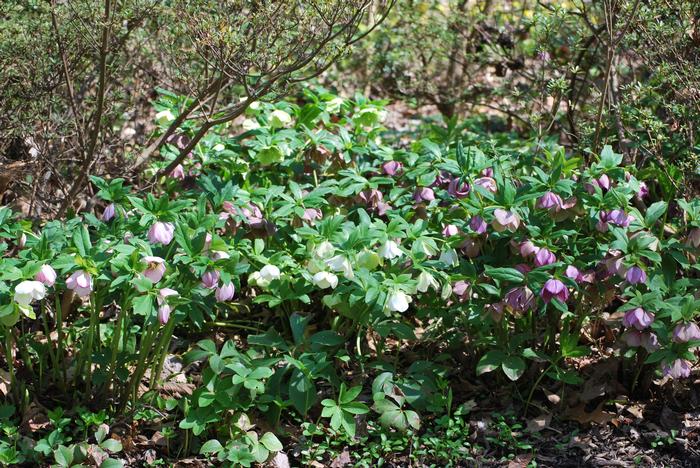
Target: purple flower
{"x":523,"y":268}
{"x":632,"y":337}
{"x":638,"y":318}
{"x":109,"y":212}
{"x":488,"y":172}
{"x":478,"y":225}
{"x":678,"y":369}
{"x":210,"y":279}
{"x":461,"y":289}
{"x":391,"y":168}
{"x":487,"y":183}
{"x":450,"y":230}
{"x":685,"y":332}
{"x":311,"y":215}
{"x":544,"y":257}
{"x":550,"y":200}
{"x":619,"y":218}
{"x":505,"y":220}
{"x":693,"y":239}
{"x":573,"y":273}
{"x":46,"y":275}
{"x":161,"y":233}
{"x":373,"y":200}
{"x":528,"y":249}
{"x":225,"y":292}
{"x":636,"y":275}
{"x":554,"y":289}
{"x":458,"y":189}
{"x":80,"y":282}
{"x":178,"y":173}
{"x":424,"y":194}
{"x":164,"y":308}
{"x":519,"y":300}
{"x":155,"y":268}
{"x":603,"y":182}
{"x":643,"y":191}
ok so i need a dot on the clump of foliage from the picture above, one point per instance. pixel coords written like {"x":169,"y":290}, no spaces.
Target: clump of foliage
{"x":333,"y":245}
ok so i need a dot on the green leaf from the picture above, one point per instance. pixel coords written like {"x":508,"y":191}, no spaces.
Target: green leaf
{"x":112,"y":463}
{"x":504,"y":274}
{"x":271,"y":442}
{"x":111,"y":445}
{"x":490,"y":361}
{"x":211,"y":446}
{"x":654,"y":212}
{"x":302,"y":392}
{"x":513,"y":367}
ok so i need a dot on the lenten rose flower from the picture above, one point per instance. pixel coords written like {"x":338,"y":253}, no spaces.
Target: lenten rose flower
{"x":161,"y":233}
{"x":638,"y":318}
{"x":505,"y":220}
{"x":519,"y":300}
{"x":478,"y":225}
{"x":528,"y":249}
{"x":450,"y":230}
{"x":693,"y":239}
{"x":554,"y":289}
{"x":550,"y":200}
{"x":164,"y":309}
{"x":109,"y":212}
{"x":391,"y":168}
{"x":461,"y":289}
{"x":678,"y":369}
{"x":341,"y":263}
{"x":210,"y":279}
{"x":28,"y":291}
{"x":449,"y":257}
{"x":573,"y":273}
{"x":225,"y":292}
{"x":471,"y":247}
{"x":46,"y":275}
{"x":544,"y":257}
{"x":398,"y":301}
{"x":390,"y":250}
{"x":311,"y":215}
{"x":426,"y":281}
{"x":685,"y":332}
{"x":423,"y":194}
{"x":636,"y":275}
{"x":155,"y":268}
{"x":458,"y":189}
{"x":487,"y":183}
{"x":325,"y":280}
{"x":178,"y":173}
{"x":80,"y":282}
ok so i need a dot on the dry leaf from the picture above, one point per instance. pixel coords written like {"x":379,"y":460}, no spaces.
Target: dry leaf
{"x":341,"y":460}
{"x":177,"y":389}
{"x":521,"y":461}
{"x":552,"y":397}
{"x":280,"y":460}
{"x":539,"y":423}
{"x":597,"y":416}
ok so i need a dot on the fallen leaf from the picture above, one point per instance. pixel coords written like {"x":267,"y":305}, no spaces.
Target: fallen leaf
{"x":597,"y":416}
{"x":552,"y":397}
{"x":521,"y":461}
{"x":177,"y":389}
{"x":280,"y":460}
{"x":341,"y":460}
{"x":539,"y":423}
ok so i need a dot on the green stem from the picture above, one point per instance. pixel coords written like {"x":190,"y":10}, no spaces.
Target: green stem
{"x":116,"y":338}
{"x":10,"y":360}
{"x":146,"y":344}
{"x":49,"y":343}
{"x":534,"y":387}
{"x":59,"y":344}
{"x":161,"y":352}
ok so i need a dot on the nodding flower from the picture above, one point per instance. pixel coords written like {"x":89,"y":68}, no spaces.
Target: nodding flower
{"x":544,"y":257}
{"x":225,"y":292}
{"x":391,"y":168}
{"x":423,"y":194}
{"x":478,"y":225}
{"x":458,"y":189}
{"x":638,"y":318}
{"x":685,"y":332}
{"x":164,"y":308}
{"x":46,"y":275}
{"x":505,"y":220}
{"x":636,"y":275}
{"x":109,"y":212}
{"x":550,"y":200}
{"x":678,"y":369}
{"x":450,"y":230}
{"x":155,"y":268}
{"x":210,"y":279}
{"x":161,"y":233}
{"x":80,"y":282}
{"x":554,"y":289}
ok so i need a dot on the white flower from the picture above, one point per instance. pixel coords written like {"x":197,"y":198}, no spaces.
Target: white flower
{"x":279,"y":118}
{"x":335,"y":104}
{"x":390,"y":250}
{"x":450,"y":257}
{"x":28,"y":291}
{"x":164,"y":117}
{"x":324,"y":250}
{"x":325,"y":280}
{"x":265,"y":276}
{"x":426,"y":281}
{"x":341,"y":263}
{"x":398,"y":301}
{"x":250,"y":124}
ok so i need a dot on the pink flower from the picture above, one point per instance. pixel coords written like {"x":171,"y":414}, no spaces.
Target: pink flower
{"x":488,"y":172}
{"x":544,"y":257}
{"x":155,"y":268}
{"x":80,"y":282}
{"x":210,"y":279}
{"x":603,"y":182}
{"x":678,"y":369}
{"x":178,"y":173}
{"x":458,"y":189}
{"x":619,"y":218}
{"x":478,"y":225}
{"x":164,"y":308}
{"x":643,"y":191}
{"x":505,"y":220}
{"x":519,"y":300}
{"x":461,"y":289}
{"x":636,"y":275}
{"x":311,"y":215}
{"x":550,"y":200}
{"x":161,"y":233}
{"x":373,"y":200}
{"x":638,"y":318}
{"x":109,"y":212}
{"x":693,"y":239}
{"x":573,"y":273}
{"x":554,"y":289}
{"x":207,"y":242}
{"x":424,"y":194}
{"x":391,"y":168}
{"x":528,"y":249}
{"x":487,"y":183}
{"x":46,"y":275}
{"x":225,"y":292}
{"x":450,"y":230}
{"x":685,"y":332}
